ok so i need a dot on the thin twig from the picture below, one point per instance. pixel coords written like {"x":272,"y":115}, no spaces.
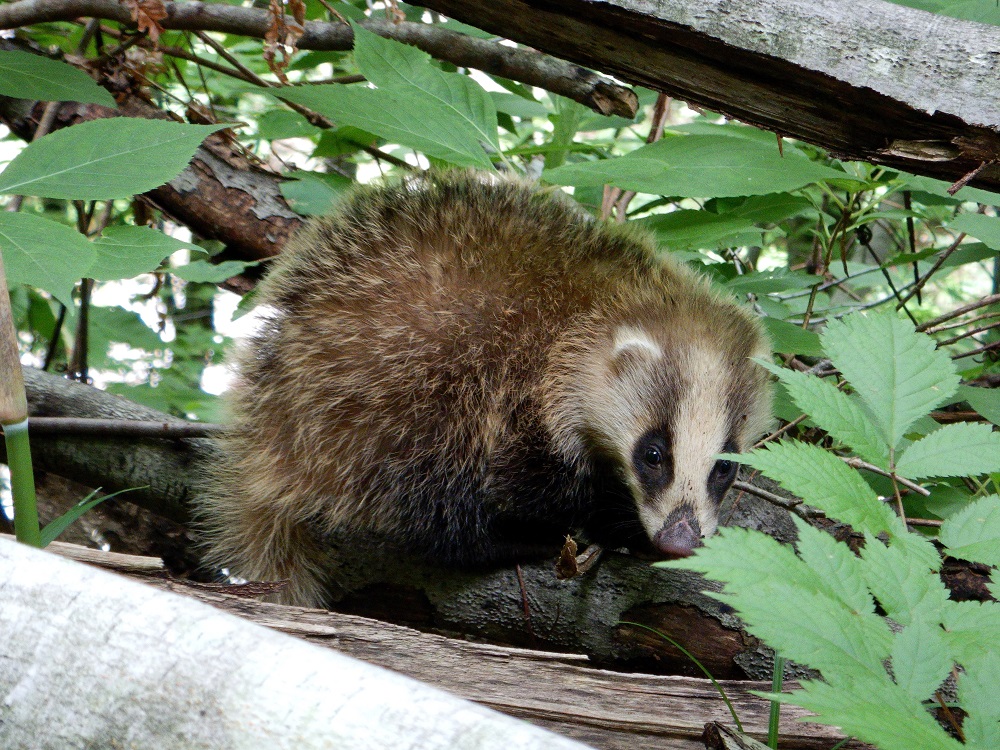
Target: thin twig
{"x":123,"y":428}
{"x":858,"y":463}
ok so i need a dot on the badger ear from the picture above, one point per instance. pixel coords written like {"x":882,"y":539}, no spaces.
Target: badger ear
{"x":632,"y":347}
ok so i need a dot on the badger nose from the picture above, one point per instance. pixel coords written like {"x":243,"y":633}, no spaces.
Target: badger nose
{"x":680,"y":534}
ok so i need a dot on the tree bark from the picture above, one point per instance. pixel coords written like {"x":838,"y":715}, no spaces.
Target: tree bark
{"x":874,"y":81}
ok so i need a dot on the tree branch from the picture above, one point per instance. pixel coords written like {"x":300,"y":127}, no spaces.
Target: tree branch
{"x":532,"y":68}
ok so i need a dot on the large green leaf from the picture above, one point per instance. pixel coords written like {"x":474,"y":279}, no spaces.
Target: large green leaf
{"x":44,"y":254}
{"x":699,"y":166}
{"x":835,"y":412}
{"x":27,"y":76}
{"x":824,"y":481}
{"x":212,"y":273}
{"x":978,"y":688}
{"x":896,"y":371}
{"x":127,"y":251}
{"x":104,"y":159}
{"x":955,"y":450}
{"x":974,"y":533}
{"x":445,"y":115}
{"x":399,"y":67}
{"x":986,"y":401}
{"x":982,"y":227}
{"x":920,"y":659}
{"x":789,"y":338}
{"x":901,"y":581}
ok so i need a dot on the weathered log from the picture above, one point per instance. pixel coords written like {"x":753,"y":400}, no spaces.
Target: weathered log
{"x":562,"y":692}
{"x":874,"y":81}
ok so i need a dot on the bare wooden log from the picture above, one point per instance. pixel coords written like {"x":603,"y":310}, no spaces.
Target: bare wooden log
{"x":135,"y":667}
{"x":873,"y":81}
{"x":559,"y":691}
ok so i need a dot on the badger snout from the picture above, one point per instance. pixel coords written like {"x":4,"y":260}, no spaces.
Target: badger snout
{"x":680,"y":534}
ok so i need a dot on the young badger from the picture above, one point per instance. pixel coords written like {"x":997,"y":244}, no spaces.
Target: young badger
{"x":471,"y":368}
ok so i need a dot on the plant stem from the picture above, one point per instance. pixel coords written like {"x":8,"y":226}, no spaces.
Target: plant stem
{"x":22,"y":483}
{"x":776,"y":684}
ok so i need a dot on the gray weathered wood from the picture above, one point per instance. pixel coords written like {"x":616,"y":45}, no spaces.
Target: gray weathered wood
{"x":91,"y":659}
{"x":872,"y":80}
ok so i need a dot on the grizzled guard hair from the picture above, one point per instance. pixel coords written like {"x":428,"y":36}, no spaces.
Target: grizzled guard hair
{"x":470,"y":368}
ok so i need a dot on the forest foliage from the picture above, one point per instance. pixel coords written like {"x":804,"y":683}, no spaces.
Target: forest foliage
{"x":879,"y":290}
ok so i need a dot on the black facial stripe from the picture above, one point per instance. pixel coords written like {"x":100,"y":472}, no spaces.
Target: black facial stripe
{"x":653,"y":460}
{"x":722,"y":474}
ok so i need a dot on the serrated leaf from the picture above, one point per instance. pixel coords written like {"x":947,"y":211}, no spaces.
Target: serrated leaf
{"x":104,"y":159}
{"x":972,"y":629}
{"x":211,"y":273}
{"x":903,"y":583}
{"x":835,"y":412}
{"x":788,"y":338}
{"x":837,"y":568}
{"x":955,"y":450}
{"x":920,"y":659}
{"x":124,"y":252}
{"x":27,"y":76}
{"x":44,"y":254}
{"x":974,"y":533}
{"x":896,"y":371}
{"x":873,"y":710}
{"x":698,"y":166}
{"x":824,"y":481}
{"x":978,"y":688}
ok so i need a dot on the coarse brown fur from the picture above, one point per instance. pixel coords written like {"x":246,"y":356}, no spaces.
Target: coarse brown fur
{"x":464,"y":364}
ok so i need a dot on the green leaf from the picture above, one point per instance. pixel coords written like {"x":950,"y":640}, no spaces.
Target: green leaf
{"x":27,"y":76}
{"x":984,"y":228}
{"x":124,"y":252}
{"x":44,"y":254}
{"x":788,"y":338}
{"x":398,"y":67}
{"x":833,"y":411}
{"x":902,"y":582}
{"x":282,"y":123}
{"x":698,"y":166}
{"x":57,"y":526}
{"x":402,"y":117}
{"x":314,"y":193}
{"x":824,"y":481}
{"x":986,"y":401}
{"x":795,"y":610}
{"x":955,"y":450}
{"x":104,"y":159}
{"x":974,"y":533}
{"x":769,"y":282}
{"x":116,"y":325}
{"x":211,"y":273}
{"x":978,"y":688}
{"x":972,"y":629}
{"x":837,"y":568}
{"x":873,"y":710}
{"x":920,"y":659}
{"x":896,"y":371}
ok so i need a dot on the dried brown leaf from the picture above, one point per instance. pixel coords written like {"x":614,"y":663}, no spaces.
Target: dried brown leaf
{"x":147,"y":15}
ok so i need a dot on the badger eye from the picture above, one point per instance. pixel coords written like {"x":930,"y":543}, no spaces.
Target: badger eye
{"x":653,"y":457}
{"x":725,"y":468}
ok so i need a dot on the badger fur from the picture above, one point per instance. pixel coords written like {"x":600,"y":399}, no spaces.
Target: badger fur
{"x":470,"y":368}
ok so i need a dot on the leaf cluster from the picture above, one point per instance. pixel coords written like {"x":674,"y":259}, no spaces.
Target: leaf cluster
{"x":879,"y":626}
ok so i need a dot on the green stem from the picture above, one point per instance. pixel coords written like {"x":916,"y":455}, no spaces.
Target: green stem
{"x":776,"y":683}
{"x":22,"y":483}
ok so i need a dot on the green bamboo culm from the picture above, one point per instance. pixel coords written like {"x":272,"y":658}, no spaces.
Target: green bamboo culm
{"x":14,"y":418}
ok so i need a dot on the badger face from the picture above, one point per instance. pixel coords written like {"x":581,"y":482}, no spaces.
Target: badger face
{"x":658,"y":412}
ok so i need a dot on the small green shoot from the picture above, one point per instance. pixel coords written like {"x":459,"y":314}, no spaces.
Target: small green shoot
{"x":58,"y":525}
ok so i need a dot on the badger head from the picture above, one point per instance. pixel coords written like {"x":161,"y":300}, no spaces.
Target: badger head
{"x":648,"y":413}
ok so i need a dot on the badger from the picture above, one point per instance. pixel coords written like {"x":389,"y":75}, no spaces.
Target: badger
{"x":469,"y":368}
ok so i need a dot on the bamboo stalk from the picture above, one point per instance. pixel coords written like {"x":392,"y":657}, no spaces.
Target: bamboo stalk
{"x":14,"y":418}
